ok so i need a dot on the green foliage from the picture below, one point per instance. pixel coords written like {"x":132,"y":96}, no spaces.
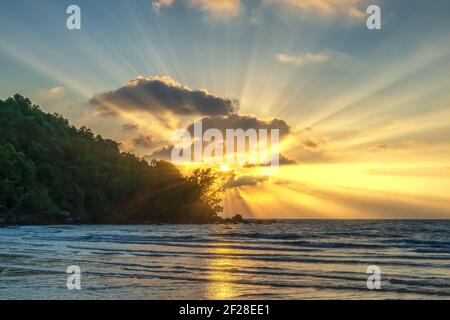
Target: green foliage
{"x":48,"y":166}
{"x":16,"y":174}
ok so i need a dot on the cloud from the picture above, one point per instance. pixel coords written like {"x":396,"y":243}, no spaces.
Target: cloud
{"x":144,"y":141}
{"x":218,"y":9}
{"x":301,"y":60}
{"x":310,"y":144}
{"x":232,"y":121}
{"x":310,"y":148}
{"x":225,"y":10}
{"x":325,"y":8}
{"x":160,"y":95}
{"x":301,"y":146}
{"x":163,"y":153}
{"x":129,"y":127}
{"x":245,"y":122}
{"x":244,"y":180}
{"x":282,"y":161}
{"x":158,"y":4}
{"x":56,"y":91}
{"x":286,"y":161}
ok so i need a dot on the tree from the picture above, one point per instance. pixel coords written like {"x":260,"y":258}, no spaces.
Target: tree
{"x":208,"y":189}
{"x":16,"y":175}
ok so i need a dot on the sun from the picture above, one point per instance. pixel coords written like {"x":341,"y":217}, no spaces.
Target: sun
{"x":224,"y":168}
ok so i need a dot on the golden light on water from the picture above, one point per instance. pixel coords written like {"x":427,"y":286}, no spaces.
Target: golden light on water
{"x":221,"y":284}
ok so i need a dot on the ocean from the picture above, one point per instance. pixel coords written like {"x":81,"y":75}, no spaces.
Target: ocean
{"x":301,"y":259}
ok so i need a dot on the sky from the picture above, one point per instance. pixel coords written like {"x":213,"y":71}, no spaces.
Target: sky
{"x":365,"y":112}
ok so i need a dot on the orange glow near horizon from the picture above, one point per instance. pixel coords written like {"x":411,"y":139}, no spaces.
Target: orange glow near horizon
{"x":344,"y":191}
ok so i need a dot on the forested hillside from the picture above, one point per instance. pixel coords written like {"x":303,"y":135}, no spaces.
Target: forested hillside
{"x":52,"y":172}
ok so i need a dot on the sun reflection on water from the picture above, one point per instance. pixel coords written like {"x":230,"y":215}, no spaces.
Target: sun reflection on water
{"x":219,"y":273}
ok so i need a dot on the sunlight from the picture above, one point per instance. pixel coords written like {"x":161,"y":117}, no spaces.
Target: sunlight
{"x":343,"y":191}
{"x":221,"y":285}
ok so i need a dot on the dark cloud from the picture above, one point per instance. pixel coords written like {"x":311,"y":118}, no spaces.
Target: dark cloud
{"x":161,"y":95}
{"x":310,"y":144}
{"x":236,"y":121}
{"x":163,"y":153}
{"x":144,"y":141}
{"x":244,"y":180}
{"x":129,"y":127}
{"x":283,"y":161}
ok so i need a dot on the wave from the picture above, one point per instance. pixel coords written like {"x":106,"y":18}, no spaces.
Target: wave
{"x":299,"y":260}
{"x":259,"y":235}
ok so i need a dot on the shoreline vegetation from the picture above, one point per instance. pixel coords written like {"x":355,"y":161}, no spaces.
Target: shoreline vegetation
{"x":54,"y":173}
